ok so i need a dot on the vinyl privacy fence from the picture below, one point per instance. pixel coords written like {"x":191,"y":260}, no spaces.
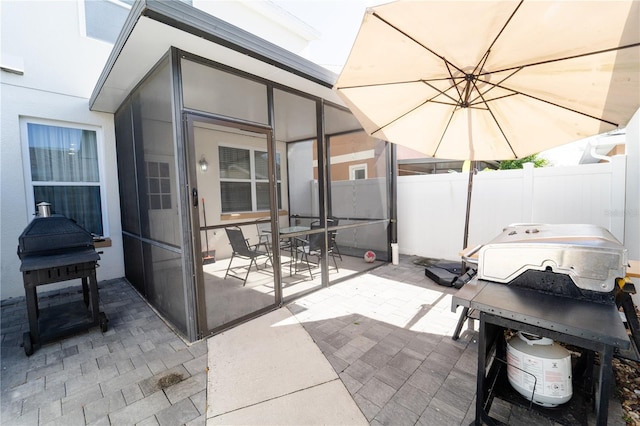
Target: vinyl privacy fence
{"x":431,"y":208}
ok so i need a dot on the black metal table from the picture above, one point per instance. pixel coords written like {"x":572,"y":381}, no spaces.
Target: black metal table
{"x":593,"y":326}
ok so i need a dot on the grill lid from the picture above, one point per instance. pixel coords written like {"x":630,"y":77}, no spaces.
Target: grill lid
{"x":53,"y":235}
{"x":590,"y":255}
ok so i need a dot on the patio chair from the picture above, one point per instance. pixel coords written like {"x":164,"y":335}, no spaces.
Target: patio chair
{"x":333,"y":245}
{"x":243,"y":250}
{"x":264,"y":234}
{"x":312,"y":245}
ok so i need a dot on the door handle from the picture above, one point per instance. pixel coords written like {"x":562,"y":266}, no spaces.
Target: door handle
{"x":194,"y":195}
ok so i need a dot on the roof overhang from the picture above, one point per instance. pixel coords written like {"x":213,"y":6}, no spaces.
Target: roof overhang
{"x":153,"y":27}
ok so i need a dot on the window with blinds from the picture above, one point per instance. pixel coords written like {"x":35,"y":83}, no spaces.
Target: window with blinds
{"x":244,"y":180}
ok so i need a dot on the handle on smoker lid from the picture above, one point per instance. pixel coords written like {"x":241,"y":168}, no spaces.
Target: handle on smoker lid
{"x":466,"y":257}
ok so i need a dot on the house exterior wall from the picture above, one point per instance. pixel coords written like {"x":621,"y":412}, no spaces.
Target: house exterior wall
{"x":57,"y":69}
{"x":60,"y":67}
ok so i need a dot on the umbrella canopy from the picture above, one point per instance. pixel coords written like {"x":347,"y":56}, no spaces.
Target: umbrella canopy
{"x":493,"y":80}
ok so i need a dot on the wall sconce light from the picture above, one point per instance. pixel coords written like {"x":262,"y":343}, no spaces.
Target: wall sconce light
{"x":203,"y":164}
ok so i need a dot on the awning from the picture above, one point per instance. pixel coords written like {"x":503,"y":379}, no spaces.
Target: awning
{"x":152,"y":27}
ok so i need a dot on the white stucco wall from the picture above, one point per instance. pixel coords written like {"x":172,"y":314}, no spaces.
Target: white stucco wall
{"x":60,"y":70}
{"x":59,"y":65}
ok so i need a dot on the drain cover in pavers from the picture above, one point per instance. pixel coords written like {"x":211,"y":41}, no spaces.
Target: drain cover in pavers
{"x":164,"y":380}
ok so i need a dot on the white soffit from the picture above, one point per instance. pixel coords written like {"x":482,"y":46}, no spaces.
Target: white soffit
{"x":150,"y":40}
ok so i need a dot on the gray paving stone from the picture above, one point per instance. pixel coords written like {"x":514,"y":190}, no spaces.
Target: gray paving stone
{"x":100,"y":408}
{"x":337,"y":339}
{"x":197,"y":365}
{"x":178,"y":413}
{"x":72,"y":418}
{"x":361,"y":371}
{"x":377,"y":332}
{"x":338,"y":364}
{"x":140,"y":410}
{"x":377,"y":392}
{"x":406,"y":361}
{"x":348,"y":353}
{"x":132,"y":393}
{"x":191,"y":386}
{"x":119,"y":382}
{"x":200,"y":401}
{"x":435,"y":416}
{"x":44,"y":370}
{"x":27,"y":389}
{"x":461,"y":383}
{"x":368,"y":408}
{"x":103,"y":421}
{"x":378,"y":356}
{"x":450,"y":403}
{"x":48,"y":412}
{"x":79,"y":400}
{"x":350,"y":383}
{"x":391,"y":345}
{"x":32,"y":402}
{"x":412,"y":398}
{"x":393,"y":414}
{"x":147,"y":346}
{"x":62,"y":376}
{"x":392,"y":376}
{"x":149,"y":421}
{"x":198,"y":421}
{"x":363,"y":343}
{"x":80,"y":383}
{"x":199,"y":348}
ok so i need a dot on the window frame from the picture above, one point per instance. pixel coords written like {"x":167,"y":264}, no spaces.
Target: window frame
{"x":253,"y":180}
{"x":82,"y":17}
{"x":26,"y":167}
{"x":357,"y":167}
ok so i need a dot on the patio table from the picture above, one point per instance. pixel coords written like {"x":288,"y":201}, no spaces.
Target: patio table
{"x":290,"y":232}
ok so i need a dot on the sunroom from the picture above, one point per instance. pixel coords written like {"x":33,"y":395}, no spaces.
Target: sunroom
{"x":222,"y":138}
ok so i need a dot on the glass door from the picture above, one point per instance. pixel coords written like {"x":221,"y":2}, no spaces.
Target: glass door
{"x":231,"y":210}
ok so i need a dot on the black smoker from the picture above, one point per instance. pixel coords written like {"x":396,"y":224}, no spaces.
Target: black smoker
{"x":54,"y":248}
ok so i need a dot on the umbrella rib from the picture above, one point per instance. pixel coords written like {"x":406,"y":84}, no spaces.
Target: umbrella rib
{"x":493,"y":86}
{"x":497,"y":123}
{"x":503,"y":27}
{"x":515,"y":92}
{"x":408,"y":112}
{"x":416,"y":41}
{"x":360,"y":86}
{"x":444,"y":132}
{"x":565,"y":58}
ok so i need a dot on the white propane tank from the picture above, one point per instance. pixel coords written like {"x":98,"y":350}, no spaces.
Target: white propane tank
{"x":540,"y":362}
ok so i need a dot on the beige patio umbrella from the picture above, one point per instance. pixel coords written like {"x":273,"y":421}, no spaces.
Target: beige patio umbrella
{"x":493,"y":80}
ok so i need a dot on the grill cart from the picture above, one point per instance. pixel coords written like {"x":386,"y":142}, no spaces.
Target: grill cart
{"x":53,"y":249}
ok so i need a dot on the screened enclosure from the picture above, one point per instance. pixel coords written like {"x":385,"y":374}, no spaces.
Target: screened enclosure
{"x":240,"y":192}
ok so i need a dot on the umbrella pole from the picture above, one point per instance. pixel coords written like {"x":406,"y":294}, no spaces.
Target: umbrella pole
{"x":465,"y":242}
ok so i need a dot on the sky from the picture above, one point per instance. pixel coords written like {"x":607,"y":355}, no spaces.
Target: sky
{"x":337,"y":21}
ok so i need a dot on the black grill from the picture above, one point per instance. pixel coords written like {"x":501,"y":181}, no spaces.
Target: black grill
{"x":54,"y":249}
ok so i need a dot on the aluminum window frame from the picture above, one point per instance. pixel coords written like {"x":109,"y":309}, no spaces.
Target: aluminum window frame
{"x":253,"y":180}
